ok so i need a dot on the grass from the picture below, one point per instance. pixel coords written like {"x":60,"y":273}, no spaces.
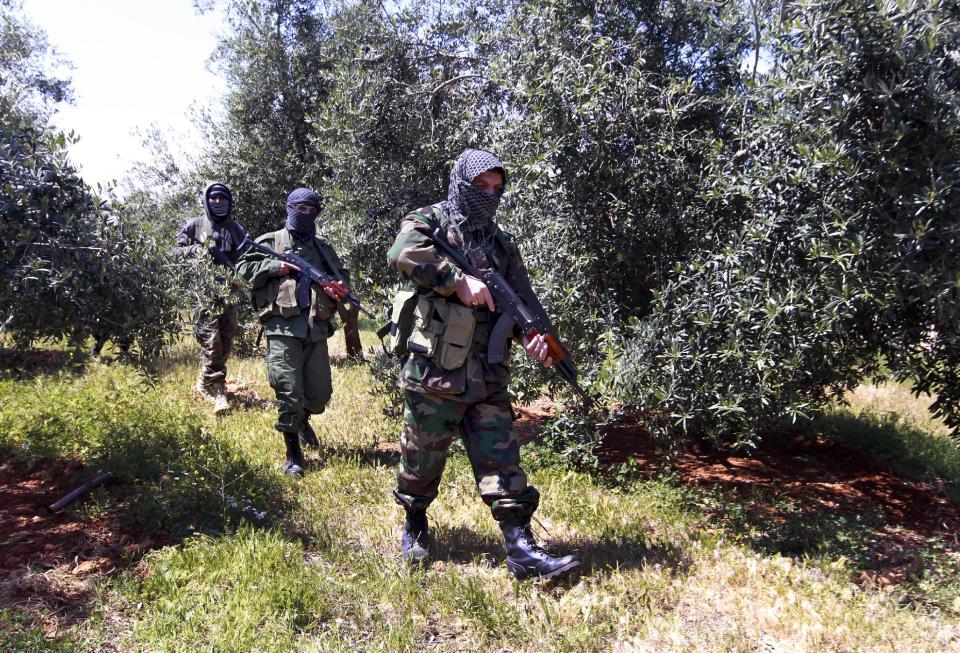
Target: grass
{"x":889,"y":421}
{"x":271,"y":564}
{"x":18,"y":635}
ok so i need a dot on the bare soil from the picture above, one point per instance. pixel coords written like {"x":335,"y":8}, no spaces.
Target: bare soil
{"x":791,"y":477}
{"x":240,"y":396}
{"x":49,"y":560}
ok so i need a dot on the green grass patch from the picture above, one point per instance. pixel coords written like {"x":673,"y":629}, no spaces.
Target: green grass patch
{"x":314,"y":565}
{"x":247,"y":591}
{"x":911,"y":449}
{"x":186,"y":476}
{"x":18,"y":635}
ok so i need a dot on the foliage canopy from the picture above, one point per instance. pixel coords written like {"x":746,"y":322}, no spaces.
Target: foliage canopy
{"x":734,"y":211}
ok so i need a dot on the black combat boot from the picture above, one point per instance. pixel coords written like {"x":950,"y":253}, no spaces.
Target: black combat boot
{"x":308,"y":437}
{"x":294,"y":463}
{"x":525,"y":558}
{"x":415,"y":539}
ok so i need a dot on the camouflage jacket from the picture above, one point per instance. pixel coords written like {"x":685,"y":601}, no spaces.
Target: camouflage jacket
{"x":415,"y":257}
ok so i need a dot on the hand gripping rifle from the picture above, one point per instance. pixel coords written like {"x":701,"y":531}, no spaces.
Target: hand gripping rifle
{"x":218,"y":254}
{"x":513,"y":311}
{"x":308,"y":275}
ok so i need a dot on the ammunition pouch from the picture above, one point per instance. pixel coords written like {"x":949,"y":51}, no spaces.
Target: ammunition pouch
{"x":322,"y":308}
{"x":442,"y":331}
{"x":277,"y":297}
{"x":400,"y":327}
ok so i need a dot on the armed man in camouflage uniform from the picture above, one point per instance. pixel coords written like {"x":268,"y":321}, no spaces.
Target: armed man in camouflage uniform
{"x":449,"y":385}
{"x":298,"y":364}
{"x":215,"y":326}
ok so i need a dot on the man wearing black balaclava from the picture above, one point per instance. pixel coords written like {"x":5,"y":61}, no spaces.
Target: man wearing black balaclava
{"x":215,"y":236}
{"x":298,"y":364}
{"x":451,"y":386}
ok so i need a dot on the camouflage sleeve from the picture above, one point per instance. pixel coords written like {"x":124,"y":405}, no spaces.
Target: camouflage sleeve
{"x":415,"y":257}
{"x":186,"y":241}
{"x":256,"y":268}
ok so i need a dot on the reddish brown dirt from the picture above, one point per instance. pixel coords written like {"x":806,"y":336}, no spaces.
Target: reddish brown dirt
{"x":814,"y":476}
{"x":821,"y":474}
{"x":241,"y":397}
{"x":530,"y":417}
{"x":47,"y":560}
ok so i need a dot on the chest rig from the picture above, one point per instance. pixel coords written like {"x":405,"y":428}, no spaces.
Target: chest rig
{"x":442,"y":328}
{"x":293,"y":294}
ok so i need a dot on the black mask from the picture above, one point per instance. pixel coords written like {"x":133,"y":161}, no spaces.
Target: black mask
{"x":220,"y":211}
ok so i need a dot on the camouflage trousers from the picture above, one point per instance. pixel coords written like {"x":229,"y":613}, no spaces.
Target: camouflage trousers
{"x":299,"y":373}
{"x":215,"y":329}
{"x":430,"y":423}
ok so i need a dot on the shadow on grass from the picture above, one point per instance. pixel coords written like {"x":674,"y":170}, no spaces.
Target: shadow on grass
{"x":870,"y":489}
{"x":181,"y":354}
{"x":27,"y":364}
{"x":462,"y":545}
{"x":631,"y":553}
{"x":346,"y":361}
{"x":167,"y":471}
{"x":18,"y":635}
{"x":776,"y":524}
{"x":200,"y":485}
{"x":911,"y":451}
{"x":376,"y":457}
{"x":161,"y":495}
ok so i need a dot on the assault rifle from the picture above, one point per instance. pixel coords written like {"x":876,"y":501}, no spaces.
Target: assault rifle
{"x":218,"y":254}
{"x":308,"y":275}
{"x":513,"y":311}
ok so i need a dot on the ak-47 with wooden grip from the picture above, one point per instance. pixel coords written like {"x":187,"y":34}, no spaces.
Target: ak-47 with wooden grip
{"x":514,"y":312}
{"x":308,"y":274}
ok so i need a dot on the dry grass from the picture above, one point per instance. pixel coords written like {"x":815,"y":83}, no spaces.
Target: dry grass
{"x":896,"y":399}
{"x":322,"y":573}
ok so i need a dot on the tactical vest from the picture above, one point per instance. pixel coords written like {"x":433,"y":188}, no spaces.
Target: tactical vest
{"x":278,"y":297}
{"x":441,"y":328}
{"x":204,"y":228}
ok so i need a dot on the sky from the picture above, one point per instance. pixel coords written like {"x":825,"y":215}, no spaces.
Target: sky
{"x":136,"y":63}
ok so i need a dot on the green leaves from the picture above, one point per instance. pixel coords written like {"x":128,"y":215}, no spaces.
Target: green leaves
{"x":726,"y":248}
{"x":831,"y":168}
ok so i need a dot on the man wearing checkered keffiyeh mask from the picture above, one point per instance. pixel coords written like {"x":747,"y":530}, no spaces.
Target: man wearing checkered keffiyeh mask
{"x":471,"y":205}
{"x":454,"y":380}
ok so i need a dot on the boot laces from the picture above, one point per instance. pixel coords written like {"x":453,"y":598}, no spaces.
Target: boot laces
{"x":526,"y":532}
